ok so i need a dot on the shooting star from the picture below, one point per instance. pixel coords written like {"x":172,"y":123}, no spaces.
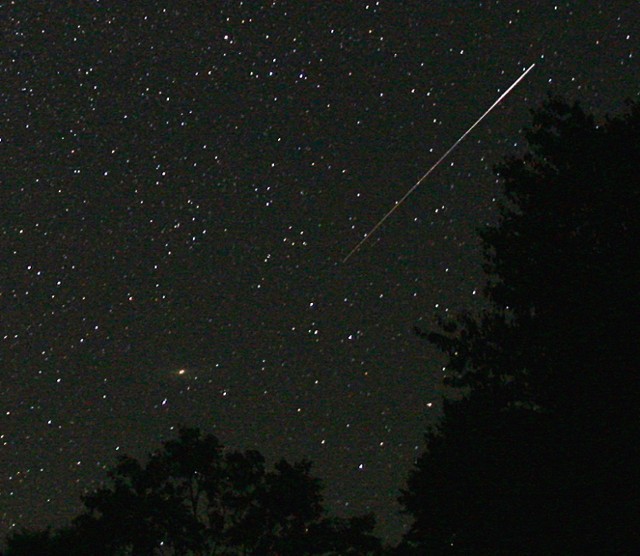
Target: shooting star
{"x":437,"y":163}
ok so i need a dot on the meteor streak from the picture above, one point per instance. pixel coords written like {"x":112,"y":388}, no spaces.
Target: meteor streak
{"x":437,"y":163}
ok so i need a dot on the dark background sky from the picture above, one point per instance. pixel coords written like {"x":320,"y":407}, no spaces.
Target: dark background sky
{"x":179,"y":182}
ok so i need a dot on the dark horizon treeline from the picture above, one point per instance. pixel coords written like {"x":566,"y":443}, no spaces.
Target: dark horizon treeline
{"x":538,"y":454}
{"x":194,"y":497}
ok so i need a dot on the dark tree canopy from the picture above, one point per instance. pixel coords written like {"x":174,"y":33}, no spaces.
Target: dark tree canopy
{"x":194,"y":498}
{"x":540,"y":455}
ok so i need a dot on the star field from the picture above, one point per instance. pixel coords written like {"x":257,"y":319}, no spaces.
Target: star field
{"x":179,"y":183}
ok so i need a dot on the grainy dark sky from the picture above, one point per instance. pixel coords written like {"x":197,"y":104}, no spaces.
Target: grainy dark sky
{"x":179,"y":182}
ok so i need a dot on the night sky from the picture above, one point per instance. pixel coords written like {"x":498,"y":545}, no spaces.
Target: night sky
{"x":179,"y":183}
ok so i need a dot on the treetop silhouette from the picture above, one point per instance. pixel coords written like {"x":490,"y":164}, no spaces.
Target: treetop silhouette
{"x":538,"y":457}
{"x":193,"y":497}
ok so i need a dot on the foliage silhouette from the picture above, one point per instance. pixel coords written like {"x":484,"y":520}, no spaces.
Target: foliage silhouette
{"x":540,"y":455}
{"x":32,"y":542}
{"x":194,"y":498}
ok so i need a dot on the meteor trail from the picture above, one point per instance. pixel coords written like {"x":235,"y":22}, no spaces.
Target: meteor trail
{"x":437,"y":163}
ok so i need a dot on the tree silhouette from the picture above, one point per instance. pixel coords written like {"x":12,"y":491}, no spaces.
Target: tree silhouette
{"x":23,"y":543}
{"x":194,"y":498}
{"x":540,"y":455}
{"x":63,"y":542}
